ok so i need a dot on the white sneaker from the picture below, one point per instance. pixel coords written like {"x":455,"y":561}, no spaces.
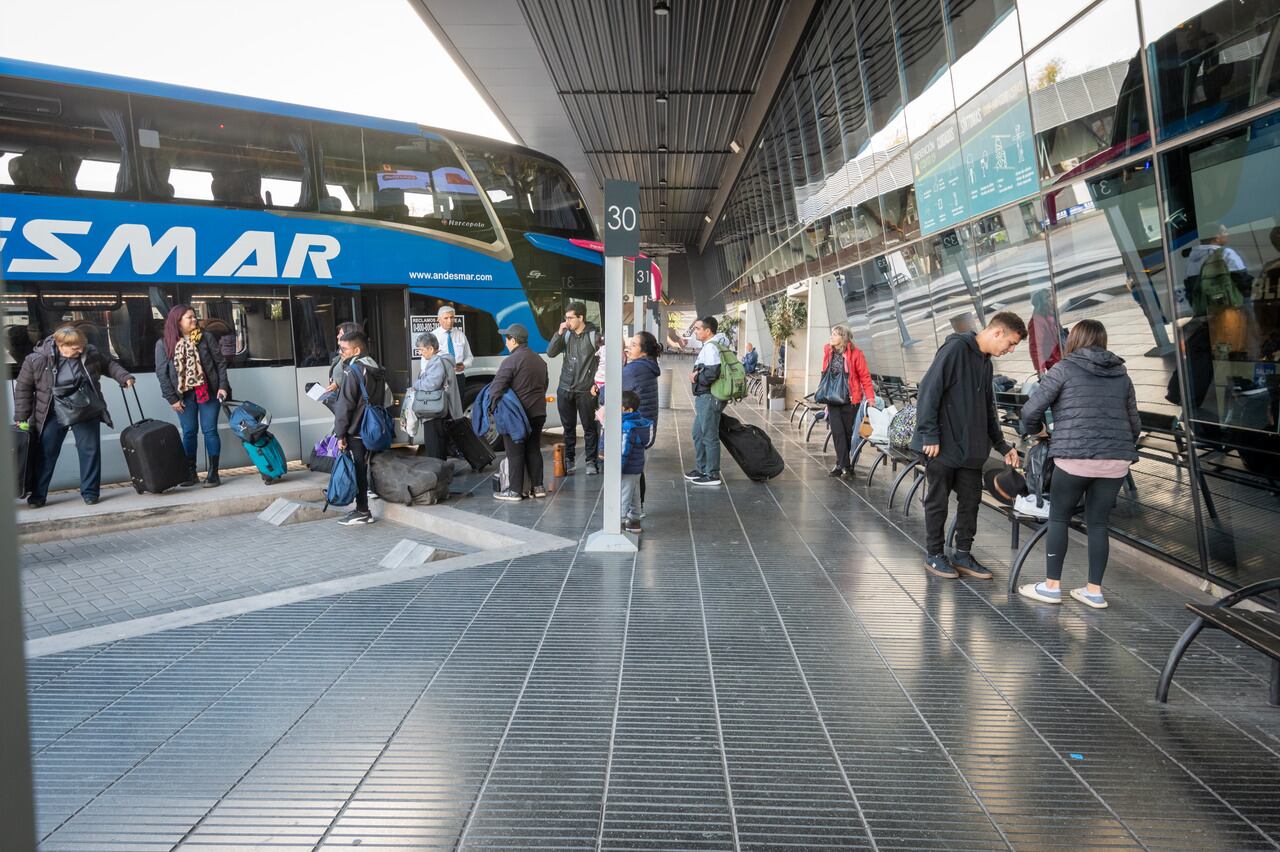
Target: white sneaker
{"x":1026,"y":505}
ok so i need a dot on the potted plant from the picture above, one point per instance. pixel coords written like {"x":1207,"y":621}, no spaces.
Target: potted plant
{"x":784,"y":315}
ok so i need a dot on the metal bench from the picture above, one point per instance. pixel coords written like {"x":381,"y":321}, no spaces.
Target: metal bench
{"x":1259,"y":630}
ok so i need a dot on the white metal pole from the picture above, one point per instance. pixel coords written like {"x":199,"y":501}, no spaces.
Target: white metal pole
{"x":611,"y":539}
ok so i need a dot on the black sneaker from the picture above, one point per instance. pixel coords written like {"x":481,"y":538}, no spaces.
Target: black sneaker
{"x":632,"y":526}
{"x":836,"y":471}
{"x":937,"y":565}
{"x":707,"y":480}
{"x":539,"y":492}
{"x":508,"y":496}
{"x":691,"y":475}
{"x":357,"y":518}
{"x":36,"y":503}
{"x":91,"y":500}
{"x":968,"y":566}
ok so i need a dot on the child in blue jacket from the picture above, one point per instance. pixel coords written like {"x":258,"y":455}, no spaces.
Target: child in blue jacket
{"x":635,"y":438}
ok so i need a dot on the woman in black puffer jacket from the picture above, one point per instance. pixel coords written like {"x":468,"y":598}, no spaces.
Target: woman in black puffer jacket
{"x":1095,"y":436}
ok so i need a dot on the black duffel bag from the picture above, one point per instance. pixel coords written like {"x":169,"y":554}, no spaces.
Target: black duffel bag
{"x":409,"y":479}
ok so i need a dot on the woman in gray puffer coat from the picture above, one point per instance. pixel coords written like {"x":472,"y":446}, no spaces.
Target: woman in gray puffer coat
{"x":1095,"y":436}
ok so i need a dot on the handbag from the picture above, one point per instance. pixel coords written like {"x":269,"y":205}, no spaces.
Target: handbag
{"x":430,"y":405}
{"x":834,"y":387}
{"x":79,"y":405}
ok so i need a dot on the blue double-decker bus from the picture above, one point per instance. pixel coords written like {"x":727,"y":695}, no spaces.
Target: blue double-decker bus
{"x":120,"y":198}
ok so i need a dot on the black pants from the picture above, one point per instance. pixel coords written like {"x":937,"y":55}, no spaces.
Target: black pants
{"x":575,"y":406}
{"x":840,"y":417}
{"x":435,"y":441}
{"x":1065,"y":493}
{"x":361,"y":457}
{"x":524,"y":458}
{"x":940,"y":480}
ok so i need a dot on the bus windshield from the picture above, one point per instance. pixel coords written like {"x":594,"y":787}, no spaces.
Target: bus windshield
{"x":530,"y":193}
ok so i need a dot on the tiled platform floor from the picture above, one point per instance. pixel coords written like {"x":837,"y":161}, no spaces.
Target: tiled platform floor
{"x":772,"y":670}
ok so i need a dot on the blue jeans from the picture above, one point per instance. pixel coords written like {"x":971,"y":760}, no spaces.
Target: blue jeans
{"x":88,"y":446}
{"x":706,"y":434}
{"x":204,"y":414}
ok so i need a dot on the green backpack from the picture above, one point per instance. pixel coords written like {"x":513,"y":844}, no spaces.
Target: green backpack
{"x":1216,"y":289}
{"x":731,"y":385}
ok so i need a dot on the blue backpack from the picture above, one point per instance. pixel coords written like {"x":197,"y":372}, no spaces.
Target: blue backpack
{"x":342,"y":482}
{"x":376,"y":428}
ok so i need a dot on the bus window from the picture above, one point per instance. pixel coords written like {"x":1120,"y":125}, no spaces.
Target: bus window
{"x":479,"y":325}
{"x":125,"y":321}
{"x":340,"y":151}
{"x":250,"y":325}
{"x":63,"y":140}
{"x":416,"y":179}
{"x":552,"y":281}
{"x":316,"y":317}
{"x":530,"y":193}
{"x":250,"y":159}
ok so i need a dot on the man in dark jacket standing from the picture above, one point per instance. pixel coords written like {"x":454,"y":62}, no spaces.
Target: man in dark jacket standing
{"x":348,"y":413}
{"x":578,"y":340}
{"x":956,"y":427}
{"x":525,"y":373}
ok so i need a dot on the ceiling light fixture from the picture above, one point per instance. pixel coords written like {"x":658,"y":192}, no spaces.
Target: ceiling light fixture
{"x":662,"y":100}
{"x":662,"y":149}
{"x":707,"y":219}
{"x":662,"y":181}
{"x":662,"y":8}
{"x":734,"y":146}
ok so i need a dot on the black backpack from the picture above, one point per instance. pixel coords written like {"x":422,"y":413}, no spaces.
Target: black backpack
{"x":1037,"y":468}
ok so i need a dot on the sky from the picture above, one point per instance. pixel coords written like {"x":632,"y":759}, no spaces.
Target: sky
{"x":373,"y":57}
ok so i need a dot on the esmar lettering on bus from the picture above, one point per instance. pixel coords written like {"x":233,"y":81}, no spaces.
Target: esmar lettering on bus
{"x":250,"y":255}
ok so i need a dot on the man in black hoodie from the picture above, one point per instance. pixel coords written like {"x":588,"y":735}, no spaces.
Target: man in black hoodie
{"x":956,"y":427}
{"x":348,"y":413}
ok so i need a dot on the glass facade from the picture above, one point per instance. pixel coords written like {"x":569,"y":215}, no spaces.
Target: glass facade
{"x":941,"y":160}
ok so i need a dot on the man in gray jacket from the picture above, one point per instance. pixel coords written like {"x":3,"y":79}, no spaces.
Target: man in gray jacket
{"x":578,"y":340}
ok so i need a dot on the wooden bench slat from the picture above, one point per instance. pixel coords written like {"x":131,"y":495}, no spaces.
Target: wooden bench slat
{"x":1259,"y":630}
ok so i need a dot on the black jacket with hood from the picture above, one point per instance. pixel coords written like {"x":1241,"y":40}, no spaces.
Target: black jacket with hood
{"x":33,"y":391}
{"x":1095,"y":408}
{"x":957,"y":407}
{"x":348,"y":408}
{"x":578,"y":373}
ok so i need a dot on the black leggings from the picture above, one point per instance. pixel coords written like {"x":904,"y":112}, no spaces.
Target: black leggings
{"x":1065,"y":494}
{"x":840,"y":418}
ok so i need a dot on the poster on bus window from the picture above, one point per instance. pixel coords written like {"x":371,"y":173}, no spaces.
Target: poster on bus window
{"x":453,"y":180}
{"x":404,"y":179}
{"x":425,"y":324}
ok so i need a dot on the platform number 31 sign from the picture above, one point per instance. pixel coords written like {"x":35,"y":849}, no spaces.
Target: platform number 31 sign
{"x":621,"y":218}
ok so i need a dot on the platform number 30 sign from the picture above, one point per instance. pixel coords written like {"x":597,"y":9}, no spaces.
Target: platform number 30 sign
{"x":621,"y":218}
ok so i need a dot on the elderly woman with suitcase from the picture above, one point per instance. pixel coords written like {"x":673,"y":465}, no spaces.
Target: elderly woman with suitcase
{"x":58,"y":391}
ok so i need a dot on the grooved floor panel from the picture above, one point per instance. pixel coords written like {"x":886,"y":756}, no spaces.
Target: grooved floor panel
{"x":773,"y":670}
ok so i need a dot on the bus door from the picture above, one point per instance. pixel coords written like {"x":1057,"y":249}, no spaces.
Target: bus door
{"x":385,"y":315}
{"x":317,"y":313}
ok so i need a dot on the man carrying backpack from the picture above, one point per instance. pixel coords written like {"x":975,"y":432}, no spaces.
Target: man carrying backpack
{"x":956,"y":427}
{"x":707,"y":408}
{"x":578,"y":340}
{"x":362,"y":381}
{"x":1216,"y":276}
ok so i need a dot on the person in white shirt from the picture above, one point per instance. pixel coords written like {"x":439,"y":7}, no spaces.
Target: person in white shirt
{"x":453,"y":342}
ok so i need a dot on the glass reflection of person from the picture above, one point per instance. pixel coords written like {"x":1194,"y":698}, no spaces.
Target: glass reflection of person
{"x":1045,"y":334}
{"x":1220,"y":289}
{"x":17,"y":342}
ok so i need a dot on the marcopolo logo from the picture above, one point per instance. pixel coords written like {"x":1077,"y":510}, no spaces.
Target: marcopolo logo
{"x":251,"y":255}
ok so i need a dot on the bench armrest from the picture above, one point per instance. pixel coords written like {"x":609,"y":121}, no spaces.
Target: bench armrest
{"x":1259,"y":588}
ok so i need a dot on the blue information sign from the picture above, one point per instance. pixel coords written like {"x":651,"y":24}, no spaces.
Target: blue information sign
{"x":999,"y":156}
{"x":937,"y":166}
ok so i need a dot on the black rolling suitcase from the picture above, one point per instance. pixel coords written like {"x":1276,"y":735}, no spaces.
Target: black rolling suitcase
{"x":21,"y":458}
{"x":153,"y":451}
{"x":750,"y":448}
{"x":22,"y":454}
{"x":473,"y":449}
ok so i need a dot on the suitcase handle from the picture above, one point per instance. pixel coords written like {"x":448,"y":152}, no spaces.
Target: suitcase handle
{"x":129,"y":411}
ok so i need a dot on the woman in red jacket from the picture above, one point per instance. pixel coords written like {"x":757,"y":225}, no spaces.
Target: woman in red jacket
{"x":840,"y":358}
